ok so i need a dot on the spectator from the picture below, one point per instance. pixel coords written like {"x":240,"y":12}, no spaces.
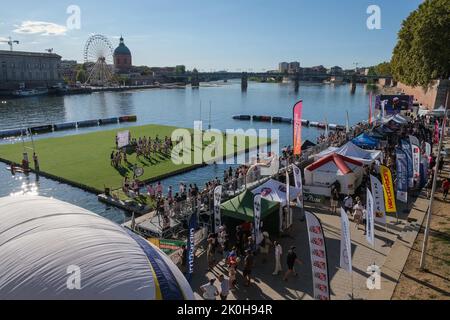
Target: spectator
{"x":209,"y":290}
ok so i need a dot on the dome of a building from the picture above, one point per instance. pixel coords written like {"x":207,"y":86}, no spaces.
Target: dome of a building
{"x":43,"y":240}
{"x":122,"y":49}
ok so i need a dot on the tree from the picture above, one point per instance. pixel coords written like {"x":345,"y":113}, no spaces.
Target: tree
{"x":423,"y":49}
{"x":81,"y":76}
{"x":180,"y":69}
{"x":383,"y":69}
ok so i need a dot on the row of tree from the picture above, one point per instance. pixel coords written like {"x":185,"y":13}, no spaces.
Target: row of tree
{"x":422,"y":53}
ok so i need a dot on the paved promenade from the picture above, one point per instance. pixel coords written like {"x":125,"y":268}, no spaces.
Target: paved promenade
{"x":267,"y":286}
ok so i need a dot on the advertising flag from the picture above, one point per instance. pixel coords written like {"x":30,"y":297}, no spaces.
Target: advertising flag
{"x":427,"y":149}
{"x":402,"y":175}
{"x":298,"y":108}
{"x":389,"y":196}
{"x":217,"y":201}
{"x":257,"y":219}
{"x":406,"y":147}
{"x":346,"y":244}
{"x":415,"y":151}
{"x":319,"y":262}
{"x":436,"y":132}
{"x":191,"y":245}
{"x":123,"y":139}
{"x":347,"y":124}
{"x":370,"y":220}
{"x":298,"y":184}
{"x":370,"y":108}
{"x":378,"y":200}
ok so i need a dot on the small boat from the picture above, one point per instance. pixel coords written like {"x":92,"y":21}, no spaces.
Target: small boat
{"x":22,"y":93}
{"x":242,"y":117}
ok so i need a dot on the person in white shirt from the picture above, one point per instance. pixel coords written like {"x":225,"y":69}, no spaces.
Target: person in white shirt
{"x":209,"y":290}
{"x":348,"y":204}
{"x":224,"y":288}
{"x":278,"y":254}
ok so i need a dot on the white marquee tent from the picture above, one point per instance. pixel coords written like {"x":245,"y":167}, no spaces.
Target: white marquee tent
{"x":276,"y":191}
{"x":43,"y":241}
{"x":352,"y":151}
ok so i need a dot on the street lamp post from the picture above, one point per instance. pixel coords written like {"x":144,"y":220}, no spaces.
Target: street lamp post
{"x":433,"y":191}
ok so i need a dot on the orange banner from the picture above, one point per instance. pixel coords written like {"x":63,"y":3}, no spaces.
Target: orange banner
{"x":298,"y":128}
{"x":388,"y":186}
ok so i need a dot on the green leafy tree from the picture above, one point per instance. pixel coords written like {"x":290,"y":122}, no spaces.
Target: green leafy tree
{"x":422,"y":53}
{"x":81,"y":76}
{"x":180,"y":69}
{"x":383,"y":69}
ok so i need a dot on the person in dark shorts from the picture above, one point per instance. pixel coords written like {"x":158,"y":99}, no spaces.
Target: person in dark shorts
{"x":291,"y":260}
{"x":248,"y":265}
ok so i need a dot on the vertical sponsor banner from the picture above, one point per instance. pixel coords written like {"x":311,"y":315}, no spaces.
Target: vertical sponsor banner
{"x":346,"y":244}
{"x":402,"y":175}
{"x":257,"y":219}
{"x":427,"y":149}
{"x":436,"y":132}
{"x":191,"y":246}
{"x":319,"y":261}
{"x":370,"y":220}
{"x":378,"y":200}
{"x":406,"y":147}
{"x":347,"y":124}
{"x":389,"y":197}
{"x":290,"y":219}
{"x":370,"y":109}
{"x":298,"y":108}
{"x":298,"y":184}
{"x":415,"y":151}
{"x":217,"y":201}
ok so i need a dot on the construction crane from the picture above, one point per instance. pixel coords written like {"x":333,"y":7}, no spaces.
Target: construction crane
{"x":10,"y":42}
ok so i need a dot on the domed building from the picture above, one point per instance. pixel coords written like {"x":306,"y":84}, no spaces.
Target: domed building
{"x":122,"y":58}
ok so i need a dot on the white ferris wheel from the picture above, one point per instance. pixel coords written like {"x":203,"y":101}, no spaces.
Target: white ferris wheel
{"x":98,"y":58}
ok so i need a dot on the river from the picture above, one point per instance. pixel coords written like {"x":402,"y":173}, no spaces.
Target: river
{"x":176,"y":107}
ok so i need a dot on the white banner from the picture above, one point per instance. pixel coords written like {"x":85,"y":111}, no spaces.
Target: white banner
{"x":290,"y":218}
{"x":257,"y":219}
{"x":217,"y":201}
{"x":428,"y":149}
{"x":319,"y":261}
{"x":123,"y":139}
{"x":370,"y":225}
{"x":415,"y":149}
{"x":346,"y":244}
{"x":378,"y":199}
{"x":298,"y":185}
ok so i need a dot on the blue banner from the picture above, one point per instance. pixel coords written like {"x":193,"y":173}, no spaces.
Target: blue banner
{"x":406,"y":147}
{"x":402,"y":175}
{"x":191,"y":246}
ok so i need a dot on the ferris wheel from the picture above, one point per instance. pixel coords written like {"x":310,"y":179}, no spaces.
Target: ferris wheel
{"x":98,"y":57}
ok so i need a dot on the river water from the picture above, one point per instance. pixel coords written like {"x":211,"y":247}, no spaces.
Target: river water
{"x":176,"y":107}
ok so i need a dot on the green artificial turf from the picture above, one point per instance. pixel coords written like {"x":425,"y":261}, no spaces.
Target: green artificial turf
{"x":85,"y":159}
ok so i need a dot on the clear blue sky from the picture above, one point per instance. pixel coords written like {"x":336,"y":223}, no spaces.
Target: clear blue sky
{"x":214,"y":34}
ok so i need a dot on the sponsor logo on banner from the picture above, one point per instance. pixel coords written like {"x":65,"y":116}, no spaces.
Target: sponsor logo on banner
{"x":217,"y":201}
{"x":257,"y":219}
{"x":378,"y":198}
{"x":299,"y":185}
{"x":406,"y":147}
{"x":402,"y":175}
{"x":319,"y":263}
{"x":370,"y":219}
{"x":416,"y":161}
{"x":346,"y":245}
{"x":123,"y":139}
{"x":389,"y":197}
{"x":298,"y":128}
{"x":191,"y":245}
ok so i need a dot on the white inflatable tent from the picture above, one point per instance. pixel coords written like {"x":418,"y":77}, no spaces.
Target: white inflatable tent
{"x":352,"y":151}
{"x":46,"y":245}
{"x":320,"y":175}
